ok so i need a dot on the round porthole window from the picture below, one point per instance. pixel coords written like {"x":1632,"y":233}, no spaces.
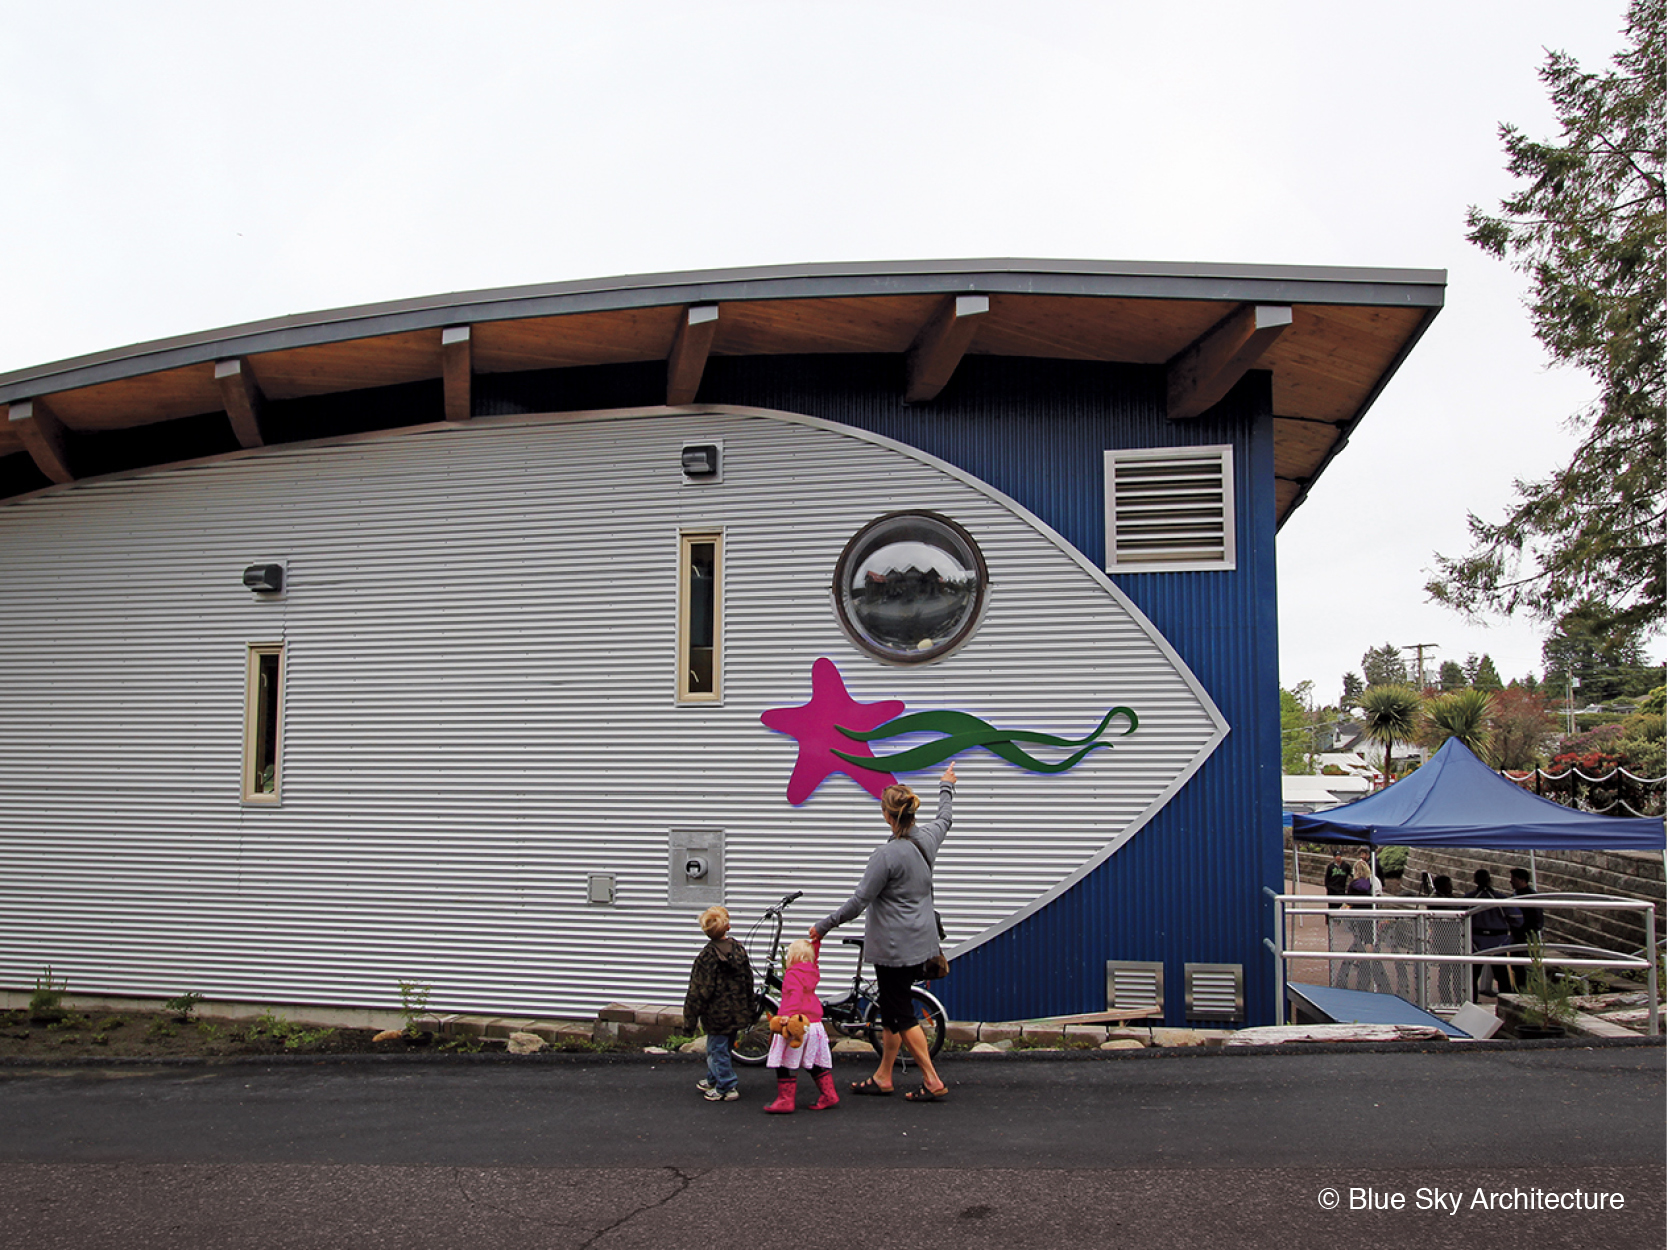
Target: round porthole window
{"x":909,"y":587}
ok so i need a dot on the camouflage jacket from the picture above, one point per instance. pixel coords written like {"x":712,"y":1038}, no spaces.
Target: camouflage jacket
{"x":720,"y":988}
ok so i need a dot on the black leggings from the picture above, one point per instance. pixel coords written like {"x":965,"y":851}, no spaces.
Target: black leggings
{"x":787,"y":1074}
{"x":897,"y":1008}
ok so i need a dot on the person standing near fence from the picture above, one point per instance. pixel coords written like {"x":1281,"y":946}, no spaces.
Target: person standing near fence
{"x":1532,"y":928}
{"x":1490,"y":928}
{"x":1337,"y":876}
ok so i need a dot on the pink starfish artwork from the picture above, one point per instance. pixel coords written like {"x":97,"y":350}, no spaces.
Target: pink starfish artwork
{"x":816,"y":726}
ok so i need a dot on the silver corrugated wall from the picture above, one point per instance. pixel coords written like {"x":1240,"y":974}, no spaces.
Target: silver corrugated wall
{"x":480,"y":630}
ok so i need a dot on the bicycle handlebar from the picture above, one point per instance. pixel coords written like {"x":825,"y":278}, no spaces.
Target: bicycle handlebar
{"x":781,"y":906}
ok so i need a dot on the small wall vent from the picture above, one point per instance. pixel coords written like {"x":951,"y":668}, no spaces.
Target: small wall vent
{"x":1215,"y":991}
{"x":1134,"y":984}
{"x":1169,"y":509}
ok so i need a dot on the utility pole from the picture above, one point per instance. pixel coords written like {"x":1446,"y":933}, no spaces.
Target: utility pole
{"x":1420,"y":648}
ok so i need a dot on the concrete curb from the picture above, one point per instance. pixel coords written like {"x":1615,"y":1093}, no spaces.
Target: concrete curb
{"x":639,"y":1058}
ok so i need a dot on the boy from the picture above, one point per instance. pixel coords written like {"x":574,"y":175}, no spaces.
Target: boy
{"x":720,"y":997}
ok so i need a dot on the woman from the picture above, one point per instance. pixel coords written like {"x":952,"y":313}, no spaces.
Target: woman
{"x":902,"y":929}
{"x":1370,"y":973}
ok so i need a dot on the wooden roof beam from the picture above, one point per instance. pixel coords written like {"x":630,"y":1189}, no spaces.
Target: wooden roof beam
{"x":1202,"y":374}
{"x":457,"y":365}
{"x":245,"y":402}
{"x":689,"y":349}
{"x":44,"y":437}
{"x":938,"y":348}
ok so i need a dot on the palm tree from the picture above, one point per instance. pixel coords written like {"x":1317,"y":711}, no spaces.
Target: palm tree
{"x":1391,"y":714}
{"x":1466,"y":715}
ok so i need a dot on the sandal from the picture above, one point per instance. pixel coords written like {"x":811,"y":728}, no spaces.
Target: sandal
{"x":870,"y":1087}
{"x":926,"y":1095}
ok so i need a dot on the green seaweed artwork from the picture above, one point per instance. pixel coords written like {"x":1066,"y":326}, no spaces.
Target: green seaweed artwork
{"x":962,"y":731}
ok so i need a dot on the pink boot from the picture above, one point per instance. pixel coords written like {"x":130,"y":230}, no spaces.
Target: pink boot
{"x":787,"y":1096}
{"x":825,"y":1087}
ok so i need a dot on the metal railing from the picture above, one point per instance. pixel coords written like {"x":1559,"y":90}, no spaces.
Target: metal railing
{"x":1369,"y":918}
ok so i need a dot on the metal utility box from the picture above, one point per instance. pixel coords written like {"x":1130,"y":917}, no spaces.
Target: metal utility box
{"x":695,"y":868}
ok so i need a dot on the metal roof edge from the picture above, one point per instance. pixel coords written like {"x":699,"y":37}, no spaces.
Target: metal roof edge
{"x":824,"y":280}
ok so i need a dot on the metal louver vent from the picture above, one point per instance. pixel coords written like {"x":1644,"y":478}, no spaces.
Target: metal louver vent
{"x":1133,"y":984}
{"x":1169,"y":509}
{"x":1215,"y":991}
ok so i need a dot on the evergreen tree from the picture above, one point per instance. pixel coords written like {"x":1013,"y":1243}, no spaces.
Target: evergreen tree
{"x":1587,"y":224}
{"x":1384,"y":666}
{"x":1452,"y":676}
{"x":1353,"y":688}
{"x":1605,"y":661}
{"x":1487,"y":676}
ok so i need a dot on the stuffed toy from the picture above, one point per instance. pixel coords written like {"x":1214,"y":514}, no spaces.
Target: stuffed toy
{"x":791,"y":1027}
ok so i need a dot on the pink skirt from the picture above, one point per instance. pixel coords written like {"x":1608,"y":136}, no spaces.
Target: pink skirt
{"x":813,"y":1053}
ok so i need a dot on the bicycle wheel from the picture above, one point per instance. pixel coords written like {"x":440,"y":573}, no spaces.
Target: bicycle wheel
{"x":752,"y":1044}
{"x":928,"y":1013}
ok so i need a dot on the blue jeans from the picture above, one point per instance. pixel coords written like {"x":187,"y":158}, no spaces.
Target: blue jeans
{"x":718,"y":1064}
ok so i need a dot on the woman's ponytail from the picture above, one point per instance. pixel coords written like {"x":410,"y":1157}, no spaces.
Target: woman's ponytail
{"x":899,"y":805}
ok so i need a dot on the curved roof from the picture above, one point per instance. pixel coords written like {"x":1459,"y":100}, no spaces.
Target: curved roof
{"x":1332,"y":337}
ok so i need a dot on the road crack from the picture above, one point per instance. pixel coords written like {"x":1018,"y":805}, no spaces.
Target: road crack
{"x":684,"y":1180}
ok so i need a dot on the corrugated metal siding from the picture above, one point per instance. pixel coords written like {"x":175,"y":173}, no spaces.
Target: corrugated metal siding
{"x":479,"y":630}
{"x":1189,"y":887}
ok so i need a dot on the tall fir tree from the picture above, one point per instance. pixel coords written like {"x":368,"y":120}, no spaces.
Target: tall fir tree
{"x":1487,"y":676}
{"x":1384,"y":666}
{"x":1587,"y":224}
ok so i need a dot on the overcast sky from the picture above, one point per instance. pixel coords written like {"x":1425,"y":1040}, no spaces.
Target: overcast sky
{"x":176,"y":167}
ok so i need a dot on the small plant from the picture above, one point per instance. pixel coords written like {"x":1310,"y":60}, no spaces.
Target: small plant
{"x":210,"y":1032}
{"x":100,"y":1039}
{"x":298,"y":1038}
{"x":160,"y":1028}
{"x":413,"y":1004}
{"x":466,"y":1044}
{"x":109,"y":1024}
{"x":44,"y":1003}
{"x":70,"y":1020}
{"x":676,"y":1041}
{"x":183,"y":1006}
{"x":269,"y":1025}
{"x":1545,"y":1000}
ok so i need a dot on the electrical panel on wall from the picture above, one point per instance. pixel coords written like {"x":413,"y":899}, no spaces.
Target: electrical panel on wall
{"x":695,"y":868}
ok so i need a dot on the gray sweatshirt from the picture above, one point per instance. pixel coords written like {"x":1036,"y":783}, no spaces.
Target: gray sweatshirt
{"x":896,"y":891}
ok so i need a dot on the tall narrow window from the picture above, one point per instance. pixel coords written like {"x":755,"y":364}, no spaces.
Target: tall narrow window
{"x":263,"y":723}
{"x":700,"y":618}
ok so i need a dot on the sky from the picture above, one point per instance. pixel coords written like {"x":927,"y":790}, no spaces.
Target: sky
{"x":178,"y":167}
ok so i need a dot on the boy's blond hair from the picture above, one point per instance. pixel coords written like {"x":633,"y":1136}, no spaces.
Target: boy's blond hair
{"x":714,"y":921}
{"x":799,"y":952}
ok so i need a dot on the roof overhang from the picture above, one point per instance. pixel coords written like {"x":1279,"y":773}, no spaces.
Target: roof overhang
{"x":1331,"y":337}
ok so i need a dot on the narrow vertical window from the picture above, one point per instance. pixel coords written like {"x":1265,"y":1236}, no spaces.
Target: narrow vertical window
{"x":700,"y":618}
{"x":263,"y":723}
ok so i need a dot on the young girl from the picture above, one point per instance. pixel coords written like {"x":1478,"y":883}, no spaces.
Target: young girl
{"x":798,"y":997}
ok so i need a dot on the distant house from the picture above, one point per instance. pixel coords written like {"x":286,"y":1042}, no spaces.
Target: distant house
{"x":1321,"y":792}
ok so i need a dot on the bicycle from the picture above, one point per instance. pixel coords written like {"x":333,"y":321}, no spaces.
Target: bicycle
{"x":856,"y":1014}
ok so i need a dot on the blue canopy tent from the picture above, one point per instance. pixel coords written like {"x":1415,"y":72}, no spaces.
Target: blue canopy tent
{"x":1456,"y":800}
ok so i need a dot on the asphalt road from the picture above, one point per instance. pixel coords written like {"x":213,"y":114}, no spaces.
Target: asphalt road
{"x":1150,"y":1149}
